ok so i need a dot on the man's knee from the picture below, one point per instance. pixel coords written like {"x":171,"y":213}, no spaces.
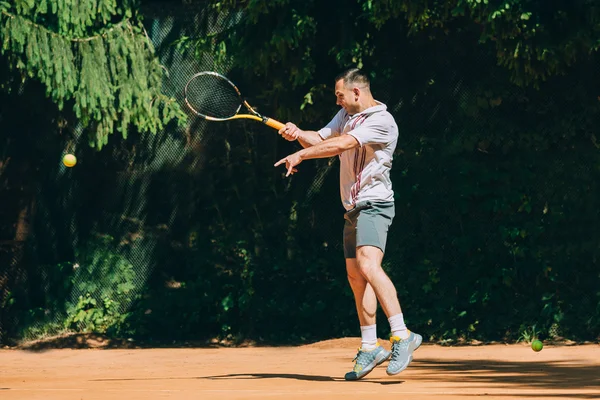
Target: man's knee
{"x":368,"y":269}
{"x":368,"y":260}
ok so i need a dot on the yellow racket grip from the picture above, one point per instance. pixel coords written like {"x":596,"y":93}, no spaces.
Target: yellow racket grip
{"x":273,"y":123}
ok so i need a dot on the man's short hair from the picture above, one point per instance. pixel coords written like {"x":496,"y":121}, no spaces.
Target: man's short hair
{"x":354,"y":77}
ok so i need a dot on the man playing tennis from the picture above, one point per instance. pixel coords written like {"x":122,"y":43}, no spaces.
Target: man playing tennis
{"x":364,"y":135}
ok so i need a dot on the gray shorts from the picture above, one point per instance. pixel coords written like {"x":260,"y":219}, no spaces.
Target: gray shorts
{"x":367,"y":224}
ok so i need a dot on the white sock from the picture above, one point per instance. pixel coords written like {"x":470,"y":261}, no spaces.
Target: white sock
{"x":398,"y":326}
{"x":368,"y":335}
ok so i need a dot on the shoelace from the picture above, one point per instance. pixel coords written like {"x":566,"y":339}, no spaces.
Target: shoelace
{"x":396,"y":346}
{"x":360,"y":360}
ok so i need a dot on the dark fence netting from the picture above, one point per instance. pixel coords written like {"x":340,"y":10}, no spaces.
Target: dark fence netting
{"x":191,"y":234}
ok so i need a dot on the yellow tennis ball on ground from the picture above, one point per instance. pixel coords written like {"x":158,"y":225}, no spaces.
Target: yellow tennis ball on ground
{"x":537,"y":345}
{"x":69,"y":160}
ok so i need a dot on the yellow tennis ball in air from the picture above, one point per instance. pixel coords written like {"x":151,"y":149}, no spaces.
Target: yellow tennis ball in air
{"x":537,"y":345}
{"x":69,"y":160}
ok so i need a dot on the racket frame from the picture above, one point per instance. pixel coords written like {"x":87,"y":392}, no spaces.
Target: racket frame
{"x":254,"y":116}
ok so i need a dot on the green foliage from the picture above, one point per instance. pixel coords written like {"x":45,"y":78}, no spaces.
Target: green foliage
{"x":492,"y":140}
{"x":498,"y":260}
{"x":92,"y":295}
{"x":531,"y":39}
{"x":495,"y":176}
{"x":91,"y":56}
{"x":91,"y":315}
{"x":103,"y":287}
{"x":528,"y":335}
{"x":534,"y":40}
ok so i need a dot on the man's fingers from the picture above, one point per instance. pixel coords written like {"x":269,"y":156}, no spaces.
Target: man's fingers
{"x":288,"y":165}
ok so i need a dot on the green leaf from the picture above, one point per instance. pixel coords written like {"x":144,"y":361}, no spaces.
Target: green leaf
{"x":227,"y":302}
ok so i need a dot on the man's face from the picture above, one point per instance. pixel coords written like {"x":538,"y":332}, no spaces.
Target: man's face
{"x":346,"y":98}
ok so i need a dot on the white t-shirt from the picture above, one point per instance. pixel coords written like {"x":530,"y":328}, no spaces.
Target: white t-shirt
{"x":365,"y":170}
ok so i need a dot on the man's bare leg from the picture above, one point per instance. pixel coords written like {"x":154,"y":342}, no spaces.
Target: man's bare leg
{"x":364,"y":296}
{"x":404,"y":343}
{"x":368,"y":262}
{"x":370,"y":354}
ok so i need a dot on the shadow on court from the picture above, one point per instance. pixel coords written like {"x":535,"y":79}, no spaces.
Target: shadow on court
{"x":475,"y":373}
{"x":299,"y":377}
{"x":570,"y":374}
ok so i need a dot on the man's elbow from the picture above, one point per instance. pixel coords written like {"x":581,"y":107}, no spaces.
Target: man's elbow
{"x":349,"y":142}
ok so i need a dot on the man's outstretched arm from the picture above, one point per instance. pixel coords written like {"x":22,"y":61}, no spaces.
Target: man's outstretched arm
{"x":324,"y":149}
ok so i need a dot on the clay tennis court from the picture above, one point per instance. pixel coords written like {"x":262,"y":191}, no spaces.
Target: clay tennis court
{"x":312,"y":371}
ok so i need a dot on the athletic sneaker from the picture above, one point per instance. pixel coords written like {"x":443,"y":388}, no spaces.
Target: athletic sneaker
{"x":366,"y":361}
{"x":402,"y":352}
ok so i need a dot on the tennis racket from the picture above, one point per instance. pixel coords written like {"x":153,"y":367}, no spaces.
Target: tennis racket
{"x":215,"y":98}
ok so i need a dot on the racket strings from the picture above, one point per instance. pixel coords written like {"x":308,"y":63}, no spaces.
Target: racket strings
{"x":213,"y":96}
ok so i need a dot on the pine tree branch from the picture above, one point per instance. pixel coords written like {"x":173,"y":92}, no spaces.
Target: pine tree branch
{"x":112,"y":79}
{"x":51,"y":33}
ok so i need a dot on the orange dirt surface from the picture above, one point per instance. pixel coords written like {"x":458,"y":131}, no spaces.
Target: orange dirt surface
{"x":303,"y":372}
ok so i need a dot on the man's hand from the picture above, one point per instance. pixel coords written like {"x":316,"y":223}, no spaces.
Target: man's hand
{"x":290,"y":132}
{"x":290,"y":162}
